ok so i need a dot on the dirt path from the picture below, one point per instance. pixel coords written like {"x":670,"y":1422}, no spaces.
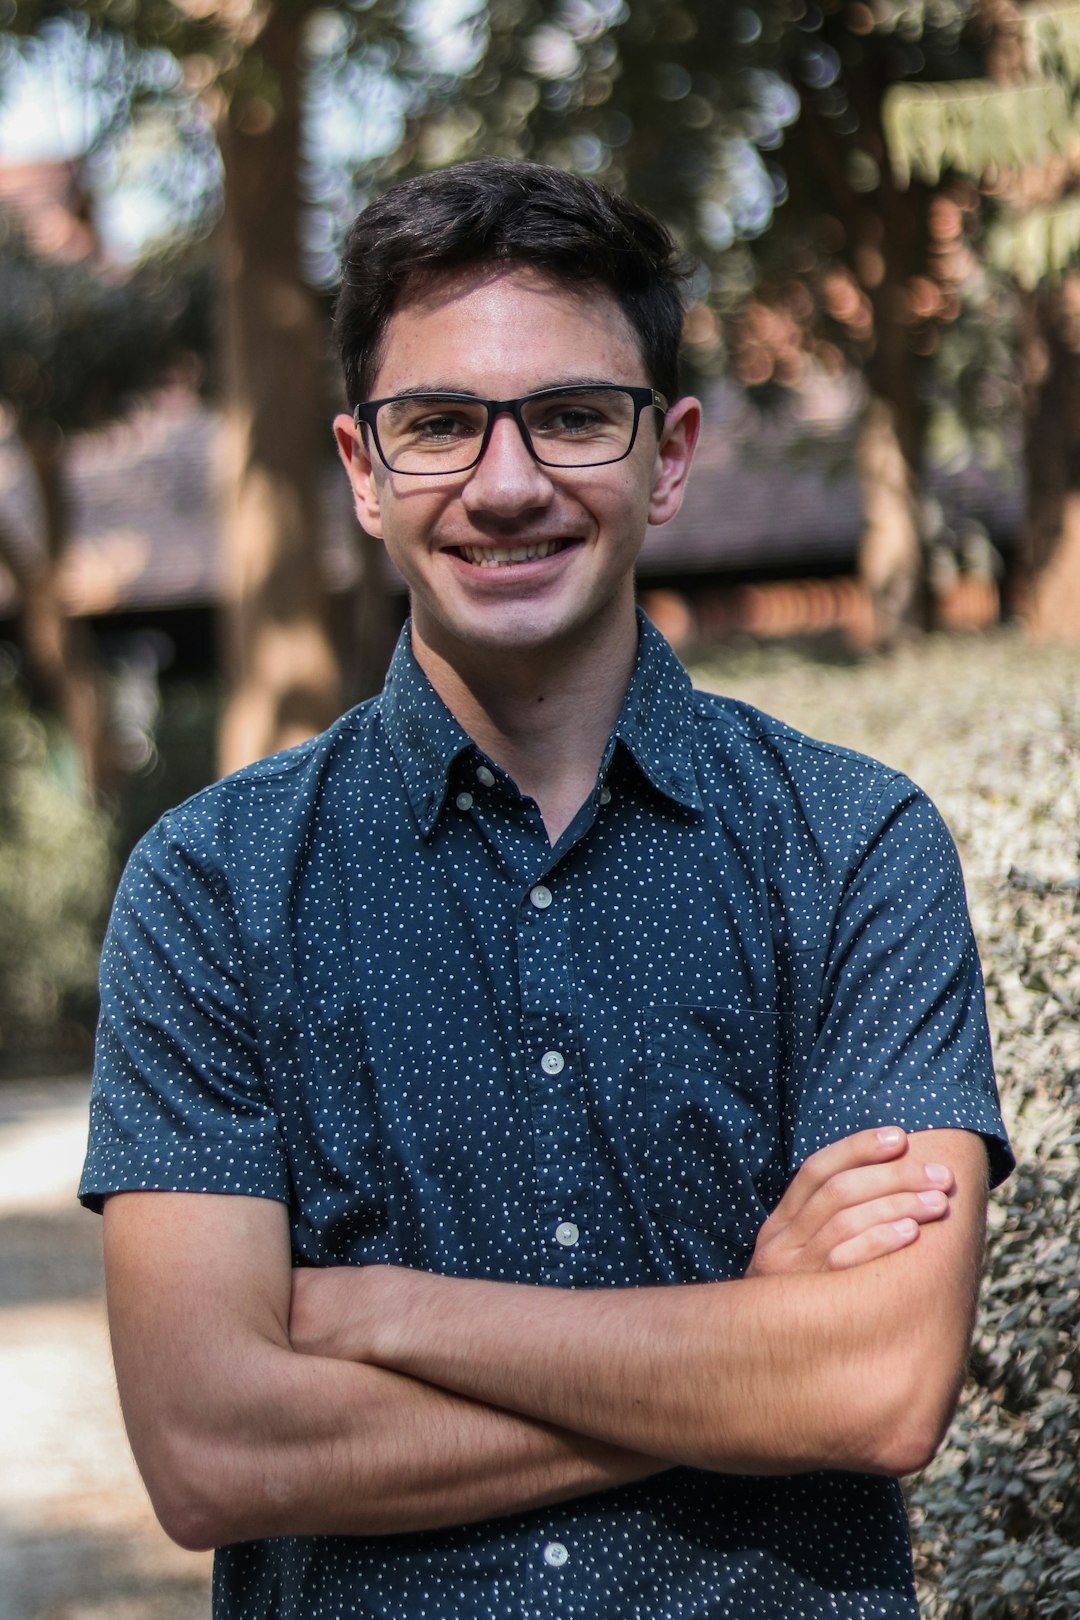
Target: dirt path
{"x":78,"y":1540}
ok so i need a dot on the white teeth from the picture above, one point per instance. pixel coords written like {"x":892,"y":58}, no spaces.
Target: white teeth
{"x":497,"y":556}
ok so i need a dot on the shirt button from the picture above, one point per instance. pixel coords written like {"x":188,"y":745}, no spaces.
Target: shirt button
{"x":605,"y":795}
{"x":567,"y":1234}
{"x":555,"y":1554}
{"x":553,"y":1063}
{"x":464,"y":801}
{"x":485,"y":777}
{"x":540,"y":897}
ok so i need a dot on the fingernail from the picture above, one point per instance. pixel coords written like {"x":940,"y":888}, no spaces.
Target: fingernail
{"x":890,"y":1136}
{"x":938,"y":1173}
{"x":932,"y":1200}
{"x":906,"y":1228}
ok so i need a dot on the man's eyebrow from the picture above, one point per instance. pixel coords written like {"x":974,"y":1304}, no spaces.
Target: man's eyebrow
{"x":579,"y":382}
{"x":396,"y":404}
{"x":423,"y":390}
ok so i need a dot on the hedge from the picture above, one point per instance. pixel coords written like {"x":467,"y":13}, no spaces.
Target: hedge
{"x":56,"y":877}
{"x":991,"y":728}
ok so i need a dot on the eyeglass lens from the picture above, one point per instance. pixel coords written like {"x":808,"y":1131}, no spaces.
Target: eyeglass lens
{"x":581,"y":428}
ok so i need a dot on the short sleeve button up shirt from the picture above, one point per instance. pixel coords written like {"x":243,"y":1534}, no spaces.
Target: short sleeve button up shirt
{"x":357,"y":978}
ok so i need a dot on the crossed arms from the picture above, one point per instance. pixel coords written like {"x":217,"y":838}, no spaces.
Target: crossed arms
{"x":372,"y":1400}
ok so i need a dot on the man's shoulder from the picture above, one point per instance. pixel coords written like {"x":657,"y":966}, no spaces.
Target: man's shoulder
{"x":266,"y":805}
{"x":796,"y":793}
{"x":759,"y":742}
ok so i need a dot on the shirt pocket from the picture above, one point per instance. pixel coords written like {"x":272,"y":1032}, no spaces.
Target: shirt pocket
{"x":712,"y":1100}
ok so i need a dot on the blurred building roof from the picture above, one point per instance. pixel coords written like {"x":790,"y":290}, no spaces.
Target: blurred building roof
{"x":766,"y":490}
{"x":144,"y":516}
{"x":768,"y":493}
{"x":774,"y":489}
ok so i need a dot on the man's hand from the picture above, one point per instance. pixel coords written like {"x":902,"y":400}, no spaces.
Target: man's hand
{"x":853,"y":1201}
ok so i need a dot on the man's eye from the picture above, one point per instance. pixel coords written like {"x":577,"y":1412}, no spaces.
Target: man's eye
{"x":442,"y":426}
{"x":577,"y":420}
{"x":571,"y":421}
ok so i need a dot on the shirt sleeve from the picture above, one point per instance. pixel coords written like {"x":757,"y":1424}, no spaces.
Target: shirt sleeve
{"x":178,"y":1101}
{"x":900,"y":1031}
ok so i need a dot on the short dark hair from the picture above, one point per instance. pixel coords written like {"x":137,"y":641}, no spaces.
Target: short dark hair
{"x":498,"y":210}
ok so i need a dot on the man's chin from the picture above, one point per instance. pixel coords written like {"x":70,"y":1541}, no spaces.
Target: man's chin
{"x":511,"y":630}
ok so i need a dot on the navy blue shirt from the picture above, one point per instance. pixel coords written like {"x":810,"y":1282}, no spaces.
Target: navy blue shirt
{"x":358,"y":979}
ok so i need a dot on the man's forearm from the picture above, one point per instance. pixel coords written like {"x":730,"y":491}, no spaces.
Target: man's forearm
{"x":769,"y":1376}
{"x":238,"y":1434}
{"x":856,"y":1369}
{"x":685,"y":1373}
{"x":332,"y":1448}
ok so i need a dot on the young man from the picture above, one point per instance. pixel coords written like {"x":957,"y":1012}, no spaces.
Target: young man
{"x":544,"y":1120}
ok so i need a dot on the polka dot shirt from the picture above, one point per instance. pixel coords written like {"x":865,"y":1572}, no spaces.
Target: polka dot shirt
{"x":356,"y":978}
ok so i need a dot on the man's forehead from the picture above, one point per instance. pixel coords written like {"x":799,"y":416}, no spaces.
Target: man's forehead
{"x":444,"y":294}
{"x":424,"y":291}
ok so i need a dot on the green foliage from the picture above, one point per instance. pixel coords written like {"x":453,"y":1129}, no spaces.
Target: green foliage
{"x":1054,"y":36}
{"x":971,"y":383}
{"x":999,"y":1510}
{"x":56,"y":873}
{"x":974,"y":127}
{"x":146,"y":23}
{"x":992,"y":729}
{"x":76,"y":345}
{"x":658,"y":99}
{"x":1039,"y":244}
{"x":141,"y":120}
{"x":979,"y":128}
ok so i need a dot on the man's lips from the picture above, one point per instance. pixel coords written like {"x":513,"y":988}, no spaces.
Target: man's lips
{"x":494,"y":556}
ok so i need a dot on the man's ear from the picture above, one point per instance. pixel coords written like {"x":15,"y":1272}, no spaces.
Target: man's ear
{"x":357,"y":464}
{"x":674,"y":454}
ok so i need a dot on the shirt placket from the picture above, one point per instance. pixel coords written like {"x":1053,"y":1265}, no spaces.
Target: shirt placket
{"x":563,"y":1201}
{"x":555,"y":1069}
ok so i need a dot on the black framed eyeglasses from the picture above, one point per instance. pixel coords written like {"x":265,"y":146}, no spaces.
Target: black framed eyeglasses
{"x":586,"y":425}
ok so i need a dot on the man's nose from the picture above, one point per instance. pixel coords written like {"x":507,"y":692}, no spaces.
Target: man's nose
{"x":507,"y":479}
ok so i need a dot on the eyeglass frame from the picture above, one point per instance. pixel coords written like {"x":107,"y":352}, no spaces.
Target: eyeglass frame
{"x":642,"y":397}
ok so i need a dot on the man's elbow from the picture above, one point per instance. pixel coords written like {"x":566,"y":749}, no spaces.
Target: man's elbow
{"x":199,"y":1494}
{"x":906,"y":1447}
{"x":907,"y":1417}
{"x":188,"y":1524}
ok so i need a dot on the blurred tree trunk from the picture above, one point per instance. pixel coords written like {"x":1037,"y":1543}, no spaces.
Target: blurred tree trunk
{"x":885,"y":235}
{"x":890,"y":562}
{"x":61,"y":657}
{"x":284,"y":672}
{"x":1047,"y":584}
{"x":1048,"y":587}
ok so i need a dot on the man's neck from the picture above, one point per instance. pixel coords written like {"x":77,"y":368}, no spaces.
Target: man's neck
{"x":544,"y":717}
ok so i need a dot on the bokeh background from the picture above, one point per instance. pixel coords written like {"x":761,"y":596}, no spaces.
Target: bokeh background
{"x":880,"y":206}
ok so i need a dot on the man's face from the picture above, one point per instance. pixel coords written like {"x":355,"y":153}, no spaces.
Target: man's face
{"x":500,"y":335}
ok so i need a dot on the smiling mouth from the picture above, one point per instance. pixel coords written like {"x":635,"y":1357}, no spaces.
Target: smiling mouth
{"x":502,"y":556}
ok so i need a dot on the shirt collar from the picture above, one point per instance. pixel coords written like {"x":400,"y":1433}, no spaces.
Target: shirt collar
{"x":423,"y":734}
{"x":653,"y":725}
{"x":655,"y":722}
